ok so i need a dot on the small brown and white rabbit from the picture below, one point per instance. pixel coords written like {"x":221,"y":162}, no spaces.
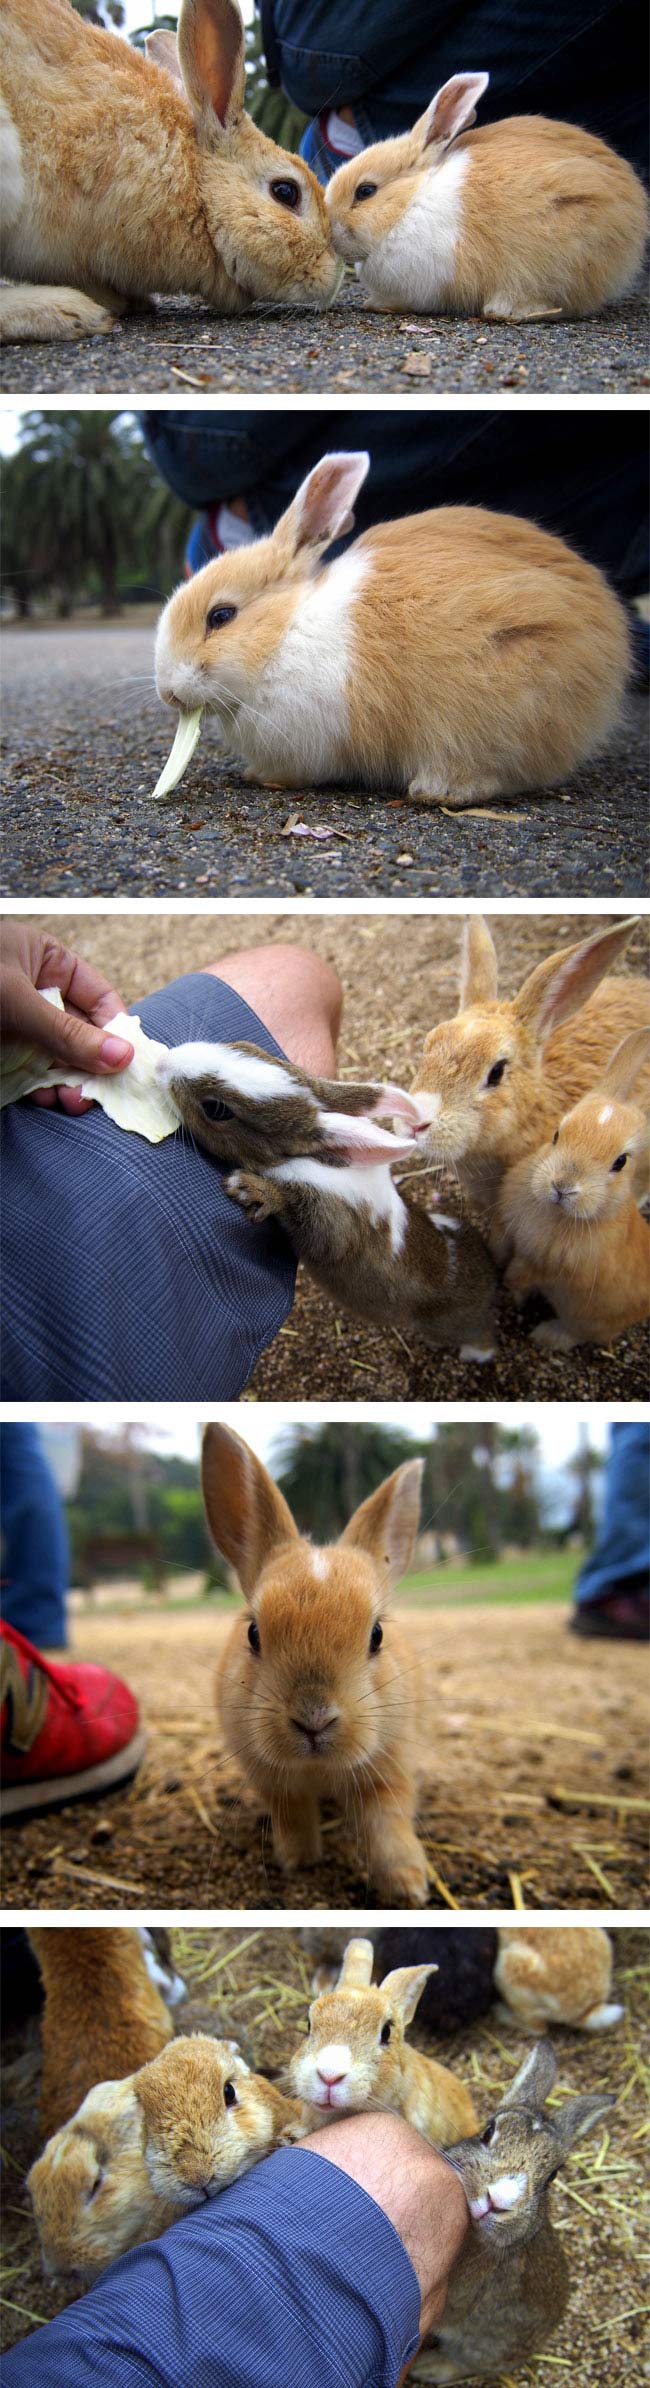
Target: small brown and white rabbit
{"x":568,"y":1220}
{"x":452,"y":654}
{"x":510,"y":2284}
{"x":556,"y":1975}
{"x":356,"y":2059}
{"x":317,"y":1688}
{"x":125,"y":175}
{"x":314,"y":1155}
{"x":141,"y":2152}
{"x":494,"y":1081}
{"x":523,"y":218}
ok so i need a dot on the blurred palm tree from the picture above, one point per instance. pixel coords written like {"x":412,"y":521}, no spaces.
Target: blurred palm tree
{"x":85,"y":512}
{"x":325,"y":1471}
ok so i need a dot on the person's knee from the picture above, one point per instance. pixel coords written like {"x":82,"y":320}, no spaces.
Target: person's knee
{"x":295,"y":993}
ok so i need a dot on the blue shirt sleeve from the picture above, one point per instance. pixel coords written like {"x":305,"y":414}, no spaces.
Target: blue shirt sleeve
{"x":292,"y":2278}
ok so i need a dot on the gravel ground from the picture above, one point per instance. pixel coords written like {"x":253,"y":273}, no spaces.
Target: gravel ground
{"x":597,"y":2201}
{"x":533,"y":1762}
{"x":181,"y":347}
{"x":85,"y":740}
{"x":319,"y":1355}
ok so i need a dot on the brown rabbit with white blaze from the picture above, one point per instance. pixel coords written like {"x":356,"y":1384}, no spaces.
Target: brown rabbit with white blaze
{"x":125,"y":175}
{"x":494,"y":1080}
{"x":356,"y":2059}
{"x":451,"y":654}
{"x":568,"y":1221}
{"x":141,"y":2152}
{"x":317,"y":1688}
{"x":524,"y":218}
{"x":510,"y":2284}
{"x":314,"y":1155}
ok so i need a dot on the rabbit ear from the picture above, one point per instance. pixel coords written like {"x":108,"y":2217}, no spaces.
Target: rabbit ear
{"x":322,"y":508}
{"x":479,"y":967}
{"x":535,"y":2077}
{"x":162,"y":49}
{"x":247,"y":1516}
{"x":405,"y":1987}
{"x":625,"y":1063}
{"x":362,"y":1139}
{"x":452,"y":110}
{"x":578,"y":2116}
{"x":356,"y":1970}
{"x":212,"y":54}
{"x":559,"y":986}
{"x":386,"y":1525}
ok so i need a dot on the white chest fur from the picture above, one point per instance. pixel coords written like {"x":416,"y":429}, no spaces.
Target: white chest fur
{"x":12,"y":178}
{"x":370,"y":1189}
{"x":302,"y":703}
{"x":414,"y":265}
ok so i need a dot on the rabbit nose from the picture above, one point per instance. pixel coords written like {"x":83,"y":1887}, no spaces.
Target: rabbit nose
{"x":562,"y":1193}
{"x":316,"y":1724}
{"x":328,"y":2077}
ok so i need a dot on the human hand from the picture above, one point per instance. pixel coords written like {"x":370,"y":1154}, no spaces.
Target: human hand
{"x":31,"y":958}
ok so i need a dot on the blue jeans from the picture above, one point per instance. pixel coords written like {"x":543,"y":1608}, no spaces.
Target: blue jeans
{"x":584,"y":476}
{"x":582,"y":59}
{"x":622,"y":1546}
{"x":292,"y":2276}
{"x":35,"y":1558}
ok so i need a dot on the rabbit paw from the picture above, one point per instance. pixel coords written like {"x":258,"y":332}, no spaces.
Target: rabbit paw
{"x":38,"y":312}
{"x":404,"y":1885}
{"x":425,"y":789}
{"x":253,"y":1194}
{"x":551,"y":1337}
{"x":504,"y":310}
{"x":298,"y":1844}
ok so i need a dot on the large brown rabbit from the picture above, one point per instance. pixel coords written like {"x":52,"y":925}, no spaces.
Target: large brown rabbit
{"x":124,"y":175}
{"x":494,"y":1080}
{"x":317,"y":1687}
{"x":568,"y":1217}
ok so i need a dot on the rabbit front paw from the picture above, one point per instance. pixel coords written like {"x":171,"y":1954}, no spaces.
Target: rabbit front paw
{"x":427,"y":789}
{"x":404,"y":1885}
{"x":299,"y":1844}
{"x":551,"y":1337}
{"x":253,"y":1194}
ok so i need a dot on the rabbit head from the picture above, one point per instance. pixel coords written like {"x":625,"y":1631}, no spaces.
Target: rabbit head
{"x":90,"y":2182}
{"x":207,"y":2118}
{"x":369,"y":194}
{"x":351,"y":2062}
{"x":220,"y":631}
{"x":583,"y":1173}
{"x":244,"y":1107}
{"x":506,"y":2170}
{"x":314,"y":1667}
{"x":263,"y":208}
{"x":480,"y":1071}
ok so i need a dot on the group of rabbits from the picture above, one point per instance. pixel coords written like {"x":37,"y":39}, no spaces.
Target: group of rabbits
{"x":538,"y":1109}
{"x":127,"y":174}
{"x":143,"y":2150}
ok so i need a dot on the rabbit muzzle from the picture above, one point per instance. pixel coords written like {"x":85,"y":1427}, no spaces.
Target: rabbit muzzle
{"x":316,"y":1729}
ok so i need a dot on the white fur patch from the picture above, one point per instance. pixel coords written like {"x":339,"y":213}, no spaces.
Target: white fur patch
{"x":447,"y":1226}
{"x":302,"y":700}
{"x":507,"y":2192}
{"x":12,"y":179}
{"x":605,"y":1114}
{"x":246,"y":1073}
{"x":370,"y":1189}
{"x":428,"y":1106}
{"x":320,"y":1566}
{"x":414,"y":265}
{"x":334,"y":2061}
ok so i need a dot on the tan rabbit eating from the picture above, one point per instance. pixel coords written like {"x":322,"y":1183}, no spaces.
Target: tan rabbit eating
{"x":523,"y":218}
{"x":124,"y":175}
{"x":317,"y":1686}
{"x":511,"y":2282}
{"x":452,"y":654}
{"x":568,"y":1214}
{"x":356,"y":2059}
{"x":141,"y":2152}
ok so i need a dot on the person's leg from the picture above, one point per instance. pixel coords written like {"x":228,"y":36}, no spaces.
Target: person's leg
{"x":35,"y":1555}
{"x":298,"y":997}
{"x":612,"y":1592}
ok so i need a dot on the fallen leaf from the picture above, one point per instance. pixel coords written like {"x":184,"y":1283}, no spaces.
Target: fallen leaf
{"x":417,"y":363}
{"x":294,"y":827}
{"x":479,"y":812}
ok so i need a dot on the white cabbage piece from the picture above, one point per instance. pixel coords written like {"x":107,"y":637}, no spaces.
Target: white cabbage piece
{"x":133,"y":1097}
{"x":187,"y":737}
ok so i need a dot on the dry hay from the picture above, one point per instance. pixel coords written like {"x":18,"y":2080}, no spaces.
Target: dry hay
{"x":263,"y":1977}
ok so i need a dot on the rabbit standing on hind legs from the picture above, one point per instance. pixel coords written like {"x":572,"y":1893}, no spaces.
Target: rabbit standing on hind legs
{"x":317,"y":1689}
{"x":124,"y":175}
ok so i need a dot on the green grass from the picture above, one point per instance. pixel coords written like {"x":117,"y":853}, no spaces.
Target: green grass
{"x":536,"y":1575}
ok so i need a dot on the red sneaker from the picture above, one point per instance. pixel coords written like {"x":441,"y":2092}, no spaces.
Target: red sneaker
{"x":66,"y":1730}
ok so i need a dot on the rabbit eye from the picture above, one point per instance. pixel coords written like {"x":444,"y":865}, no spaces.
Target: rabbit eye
{"x":495,"y":1075}
{"x":488,"y":2133}
{"x":213,"y":1108}
{"x":254,"y":1636}
{"x":376,"y":1637}
{"x":555,"y":1138}
{"x":229,"y":2093}
{"x":218,"y":615}
{"x":619,"y":1164}
{"x":365,"y":190}
{"x":91,"y":2193}
{"x":385,"y":2033}
{"x":288,"y":194}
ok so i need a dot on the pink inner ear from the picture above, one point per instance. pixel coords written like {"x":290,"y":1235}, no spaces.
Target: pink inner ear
{"x":363,"y":1142}
{"x":327,"y":498}
{"x":393,"y":1103}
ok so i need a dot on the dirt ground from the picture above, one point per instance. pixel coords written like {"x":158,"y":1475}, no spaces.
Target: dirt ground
{"x":182,"y":347}
{"x":596,"y":2201}
{"x":400,"y":975}
{"x":533,"y":1767}
{"x":85,"y":739}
